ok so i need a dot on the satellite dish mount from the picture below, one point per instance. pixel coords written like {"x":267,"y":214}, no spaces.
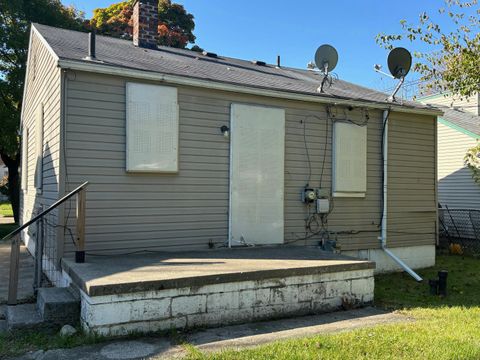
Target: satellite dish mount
{"x":399,"y":63}
{"x":326,"y":58}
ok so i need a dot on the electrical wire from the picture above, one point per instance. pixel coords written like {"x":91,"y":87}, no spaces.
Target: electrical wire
{"x":328,"y":109}
{"x":306,"y":151}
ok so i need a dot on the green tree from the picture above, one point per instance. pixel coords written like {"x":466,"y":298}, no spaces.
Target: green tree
{"x":451,"y":61}
{"x":472,"y":161}
{"x":15,"y":19}
{"x":175,"y":26}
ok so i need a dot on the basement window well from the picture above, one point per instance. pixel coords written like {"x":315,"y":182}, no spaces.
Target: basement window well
{"x":349,"y":160}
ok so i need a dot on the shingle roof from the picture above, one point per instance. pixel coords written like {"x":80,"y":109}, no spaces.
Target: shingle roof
{"x":462,"y":119}
{"x":72,"y":45}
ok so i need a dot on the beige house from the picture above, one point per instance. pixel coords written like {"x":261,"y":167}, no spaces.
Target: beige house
{"x":458,"y":130}
{"x":144,"y":127}
{"x":190,"y":153}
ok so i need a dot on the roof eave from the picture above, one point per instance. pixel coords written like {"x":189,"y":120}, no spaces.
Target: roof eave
{"x":459,"y":128}
{"x":216,"y":85}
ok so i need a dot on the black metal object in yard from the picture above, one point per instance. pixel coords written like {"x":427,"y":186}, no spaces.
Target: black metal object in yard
{"x":442,"y":282}
{"x":433,"y":283}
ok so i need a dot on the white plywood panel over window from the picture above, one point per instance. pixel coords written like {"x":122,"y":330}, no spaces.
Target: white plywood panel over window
{"x":349,"y":160}
{"x":257,"y":175}
{"x":152,"y":128}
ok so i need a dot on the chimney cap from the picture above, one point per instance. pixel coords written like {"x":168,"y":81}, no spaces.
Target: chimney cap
{"x":259,"y":63}
{"x":209,"y":54}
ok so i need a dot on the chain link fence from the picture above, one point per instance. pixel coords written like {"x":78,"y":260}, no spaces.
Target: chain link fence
{"x":460,"y":230}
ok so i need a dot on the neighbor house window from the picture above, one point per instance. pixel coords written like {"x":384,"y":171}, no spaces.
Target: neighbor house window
{"x":349,"y":160}
{"x":152,"y":128}
{"x":39,"y":149}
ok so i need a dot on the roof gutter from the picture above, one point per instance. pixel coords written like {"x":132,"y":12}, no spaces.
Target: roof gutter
{"x":210,"y":84}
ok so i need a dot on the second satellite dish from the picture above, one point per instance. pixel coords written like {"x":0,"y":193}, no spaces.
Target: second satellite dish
{"x":326,"y":58}
{"x":399,"y":62}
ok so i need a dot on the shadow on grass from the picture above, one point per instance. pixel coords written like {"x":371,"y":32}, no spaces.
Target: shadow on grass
{"x":399,"y":290}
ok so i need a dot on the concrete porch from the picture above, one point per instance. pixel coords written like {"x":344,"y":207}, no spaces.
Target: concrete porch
{"x":158,"y":291}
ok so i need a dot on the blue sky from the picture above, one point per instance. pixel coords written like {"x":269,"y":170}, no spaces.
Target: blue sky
{"x":262,"y":30}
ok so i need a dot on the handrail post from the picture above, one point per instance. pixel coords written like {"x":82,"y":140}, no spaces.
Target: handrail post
{"x":14,"y":268}
{"x":80,"y":243}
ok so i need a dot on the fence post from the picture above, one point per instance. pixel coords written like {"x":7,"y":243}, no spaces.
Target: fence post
{"x":14,"y":267}
{"x":38,"y":266}
{"x":80,"y":252}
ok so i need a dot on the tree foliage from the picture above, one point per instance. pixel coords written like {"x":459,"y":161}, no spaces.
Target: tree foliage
{"x":175,"y":26}
{"x":451,"y":63}
{"x":472,"y":161}
{"x":15,"y":19}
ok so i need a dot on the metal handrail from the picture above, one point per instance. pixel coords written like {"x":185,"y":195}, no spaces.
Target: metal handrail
{"x":45,"y":212}
{"x":14,"y":235}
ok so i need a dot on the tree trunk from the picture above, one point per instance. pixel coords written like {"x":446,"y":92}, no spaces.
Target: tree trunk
{"x":13,"y":183}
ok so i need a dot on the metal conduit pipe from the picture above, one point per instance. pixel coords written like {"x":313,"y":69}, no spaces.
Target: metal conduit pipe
{"x":383,"y":237}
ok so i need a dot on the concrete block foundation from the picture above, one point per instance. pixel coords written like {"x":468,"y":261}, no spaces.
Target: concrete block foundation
{"x":160,"y":291}
{"x":416,"y":257}
{"x":226,"y":303}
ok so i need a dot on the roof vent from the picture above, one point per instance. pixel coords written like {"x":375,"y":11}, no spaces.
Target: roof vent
{"x":259,"y":63}
{"x":209,"y":54}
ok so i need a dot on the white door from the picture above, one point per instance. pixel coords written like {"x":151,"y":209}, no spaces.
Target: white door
{"x":257,"y":153}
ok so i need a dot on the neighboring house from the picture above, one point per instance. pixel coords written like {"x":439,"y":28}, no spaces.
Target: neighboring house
{"x":187,"y":151}
{"x":458,"y":130}
{"x":3,"y":173}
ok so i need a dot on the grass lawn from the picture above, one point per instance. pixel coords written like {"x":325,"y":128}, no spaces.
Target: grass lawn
{"x":6,"y":209}
{"x":442,"y":328}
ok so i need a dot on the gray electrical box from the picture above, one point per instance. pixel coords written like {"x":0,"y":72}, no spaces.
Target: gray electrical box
{"x":323,"y":206}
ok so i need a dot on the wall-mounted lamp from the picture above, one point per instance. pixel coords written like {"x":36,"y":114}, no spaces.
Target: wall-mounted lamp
{"x":225,"y":131}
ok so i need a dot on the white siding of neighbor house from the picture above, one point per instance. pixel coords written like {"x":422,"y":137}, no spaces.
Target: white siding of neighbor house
{"x":456,"y":188}
{"x":43,"y":84}
{"x":129,"y":212}
{"x":469,"y":104}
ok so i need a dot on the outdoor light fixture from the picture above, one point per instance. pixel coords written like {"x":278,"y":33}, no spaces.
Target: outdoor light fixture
{"x":225,"y":131}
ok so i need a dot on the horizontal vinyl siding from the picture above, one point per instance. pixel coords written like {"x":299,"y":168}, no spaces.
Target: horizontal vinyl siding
{"x":469,"y":104}
{"x":411,"y":180}
{"x":43,"y":87}
{"x":129,"y":212}
{"x":456,"y":188}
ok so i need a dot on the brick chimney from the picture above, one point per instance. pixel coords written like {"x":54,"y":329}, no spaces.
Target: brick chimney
{"x":145,"y":23}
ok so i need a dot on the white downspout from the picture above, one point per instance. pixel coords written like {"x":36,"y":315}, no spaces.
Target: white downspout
{"x":383,"y":237}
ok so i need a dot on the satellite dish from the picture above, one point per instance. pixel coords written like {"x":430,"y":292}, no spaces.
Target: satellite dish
{"x":399,"y":62}
{"x":326,"y":58}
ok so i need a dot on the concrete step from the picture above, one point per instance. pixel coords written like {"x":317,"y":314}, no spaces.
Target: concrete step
{"x":24,"y":316}
{"x":55,"y":307}
{"x":58,"y":305}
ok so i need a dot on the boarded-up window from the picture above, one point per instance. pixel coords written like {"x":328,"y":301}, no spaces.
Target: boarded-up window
{"x":152,"y":128}
{"x":25,"y":158}
{"x":257,"y":175}
{"x":39,"y":149}
{"x":349,"y":160}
